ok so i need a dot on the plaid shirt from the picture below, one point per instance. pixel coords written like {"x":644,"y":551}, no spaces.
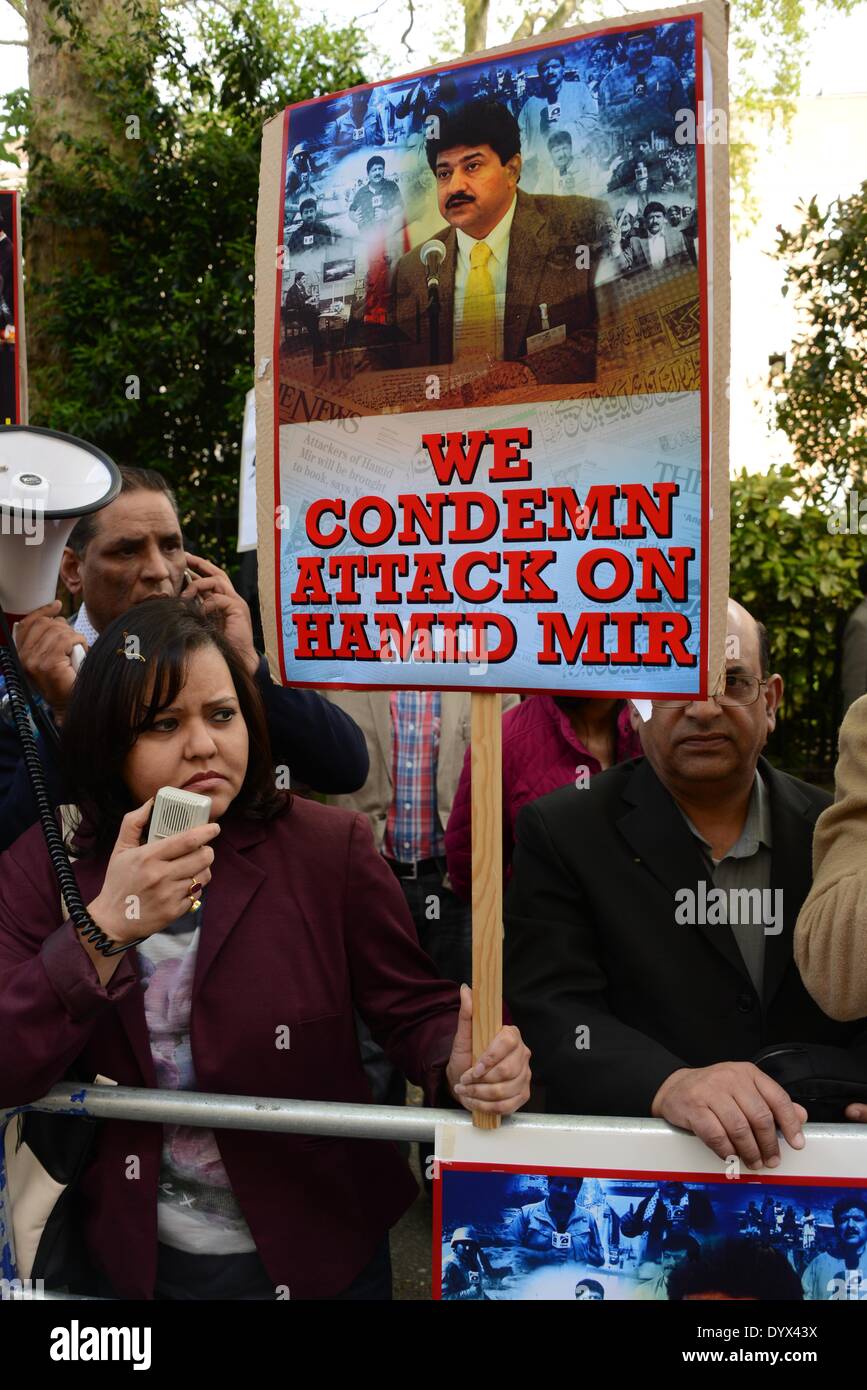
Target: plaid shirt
{"x":413,"y":830}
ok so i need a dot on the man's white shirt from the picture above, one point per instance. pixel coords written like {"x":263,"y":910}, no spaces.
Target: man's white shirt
{"x":656,"y":250}
{"x":574,"y":109}
{"x":498,"y":268}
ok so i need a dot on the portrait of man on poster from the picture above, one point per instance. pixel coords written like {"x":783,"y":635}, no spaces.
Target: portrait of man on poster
{"x":516,"y":275}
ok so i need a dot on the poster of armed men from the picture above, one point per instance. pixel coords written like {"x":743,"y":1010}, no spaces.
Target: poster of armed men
{"x":492,"y":338}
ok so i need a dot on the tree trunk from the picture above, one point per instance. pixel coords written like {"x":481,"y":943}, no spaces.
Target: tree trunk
{"x":475,"y":24}
{"x":64,"y":103}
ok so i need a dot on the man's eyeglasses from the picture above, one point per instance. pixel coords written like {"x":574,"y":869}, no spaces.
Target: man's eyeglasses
{"x":734,"y":689}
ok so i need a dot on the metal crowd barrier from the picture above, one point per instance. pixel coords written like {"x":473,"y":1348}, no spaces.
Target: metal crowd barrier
{"x":333,"y":1118}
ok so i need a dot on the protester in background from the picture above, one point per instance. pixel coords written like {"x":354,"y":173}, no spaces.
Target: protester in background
{"x":831,"y":934}
{"x":131,"y":550}
{"x":609,"y":939}
{"x":417,"y":741}
{"x":854,"y":671}
{"x":256,"y":935}
{"x":549,"y":741}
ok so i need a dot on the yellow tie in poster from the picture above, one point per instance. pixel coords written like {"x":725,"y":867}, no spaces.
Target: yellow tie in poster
{"x":479,"y":325}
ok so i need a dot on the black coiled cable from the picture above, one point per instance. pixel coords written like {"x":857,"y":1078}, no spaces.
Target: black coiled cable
{"x":78,"y":913}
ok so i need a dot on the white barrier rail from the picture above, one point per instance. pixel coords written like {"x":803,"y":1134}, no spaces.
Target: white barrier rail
{"x":336,"y":1118}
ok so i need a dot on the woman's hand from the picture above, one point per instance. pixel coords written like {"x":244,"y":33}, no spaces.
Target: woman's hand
{"x":500,"y":1080}
{"x":147,"y":887}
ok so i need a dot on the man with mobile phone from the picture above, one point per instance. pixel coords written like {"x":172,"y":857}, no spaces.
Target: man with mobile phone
{"x":129,"y":551}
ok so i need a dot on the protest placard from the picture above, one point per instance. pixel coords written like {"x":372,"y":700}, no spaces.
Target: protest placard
{"x":492,"y":333}
{"x":539,"y":501}
{"x":13,"y":376}
{"x":631,"y":1210}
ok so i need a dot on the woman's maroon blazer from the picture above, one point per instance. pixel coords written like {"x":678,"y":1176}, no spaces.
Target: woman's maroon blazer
{"x":302,"y":922}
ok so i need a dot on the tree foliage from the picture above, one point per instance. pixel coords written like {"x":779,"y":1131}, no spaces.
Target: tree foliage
{"x":822,"y":403}
{"x":769,"y":51}
{"x":152,"y":334}
{"x":799,"y":577}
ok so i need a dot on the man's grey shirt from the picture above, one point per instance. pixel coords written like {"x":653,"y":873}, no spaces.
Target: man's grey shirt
{"x":746,"y":865}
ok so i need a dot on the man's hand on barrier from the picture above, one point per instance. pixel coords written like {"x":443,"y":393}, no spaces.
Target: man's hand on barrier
{"x":217,"y":594}
{"x":500,"y":1080}
{"x":734,"y":1108}
{"x":45,"y":642}
{"x":147,"y":887}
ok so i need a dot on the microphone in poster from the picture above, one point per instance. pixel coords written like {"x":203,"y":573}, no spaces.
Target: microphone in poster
{"x":432,"y":255}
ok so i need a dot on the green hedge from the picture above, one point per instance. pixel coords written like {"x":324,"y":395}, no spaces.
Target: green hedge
{"x":798,"y":576}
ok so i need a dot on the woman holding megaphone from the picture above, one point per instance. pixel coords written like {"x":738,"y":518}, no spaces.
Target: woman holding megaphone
{"x":246,"y":944}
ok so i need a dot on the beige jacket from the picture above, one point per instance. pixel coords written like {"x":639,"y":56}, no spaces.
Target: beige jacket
{"x":371,"y":712}
{"x":831,"y":932}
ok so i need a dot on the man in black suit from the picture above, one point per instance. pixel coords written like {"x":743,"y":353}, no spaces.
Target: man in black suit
{"x":516,"y":281}
{"x":634,"y":993}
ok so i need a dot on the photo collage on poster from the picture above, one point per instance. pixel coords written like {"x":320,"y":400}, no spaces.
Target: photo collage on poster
{"x":599,"y":290}
{"x":523,"y":1236}
{"x":9,"y":394}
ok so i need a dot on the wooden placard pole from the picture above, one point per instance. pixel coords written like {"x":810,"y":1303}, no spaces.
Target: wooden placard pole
{"x":486,"y":766}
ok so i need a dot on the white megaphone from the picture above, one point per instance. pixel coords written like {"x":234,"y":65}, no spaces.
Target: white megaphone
{"x":48,"y":481}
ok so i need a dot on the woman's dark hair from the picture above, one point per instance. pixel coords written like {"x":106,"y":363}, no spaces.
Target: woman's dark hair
{"x":118,"y":696}
{"x":739,"y":1268}
{"x":479,"y":122}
